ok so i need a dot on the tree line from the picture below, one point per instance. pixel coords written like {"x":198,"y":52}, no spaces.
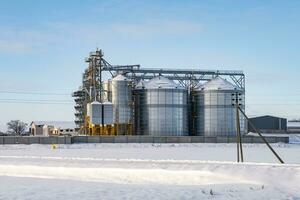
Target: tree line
{"x":15,"y":127}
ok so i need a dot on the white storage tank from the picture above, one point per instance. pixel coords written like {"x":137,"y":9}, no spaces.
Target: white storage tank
{"x":214,"y":110}
{"x":160,"y":108}
{"x":121,"y":88}
{"x":94,"y":111}
{"x":107,"y":91}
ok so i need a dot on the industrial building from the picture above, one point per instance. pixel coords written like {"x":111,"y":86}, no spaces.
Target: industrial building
{"x":52,"y":128}
{"x":269,"y":124}
{"x":158,"y":102}
{"x":293,"y":126}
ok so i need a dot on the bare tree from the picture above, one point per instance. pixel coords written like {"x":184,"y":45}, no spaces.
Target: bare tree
{"x":16,"y":127}
{"x":2,"y":134}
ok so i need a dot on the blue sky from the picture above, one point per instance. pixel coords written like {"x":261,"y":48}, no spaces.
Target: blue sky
{"x":43,"y":45}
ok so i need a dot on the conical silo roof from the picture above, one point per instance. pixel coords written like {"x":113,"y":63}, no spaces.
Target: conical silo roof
{"x":141,"y":84}
{"x":162,"y":82}
{"x":219,"y":83}
{"x":107,"y":103}
{"x":95,"y":102}
{"x":120,"y":77}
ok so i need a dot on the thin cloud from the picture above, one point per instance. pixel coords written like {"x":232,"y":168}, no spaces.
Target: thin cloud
{"x":155,"y":29}
{"x":13,"y":47}
{"x":60,"y":33}
{"x":23,"y":41}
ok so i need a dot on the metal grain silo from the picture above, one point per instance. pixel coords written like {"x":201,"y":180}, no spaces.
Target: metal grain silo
{"x":107,"y":91}
{"x":140,"y":111}
{"x":121,"y":88}
{"x":99,"y":118}
{"x":94,"y":112}
{"x":215,"y":114}
{"x":160,"y":108}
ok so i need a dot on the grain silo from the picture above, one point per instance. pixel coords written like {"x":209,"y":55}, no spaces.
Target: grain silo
{"x":140,"y":112}
{"x":106,"y":91}
{"x":99,"y":118}
{"x":160,"y":108}
{"x":215,"y":114}
{"x":121,"y":88}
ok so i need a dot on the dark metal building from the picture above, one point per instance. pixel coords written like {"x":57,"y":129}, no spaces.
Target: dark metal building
{"x":268,"y":123}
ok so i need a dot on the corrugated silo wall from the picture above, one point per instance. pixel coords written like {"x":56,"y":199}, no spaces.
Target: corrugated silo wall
{"x":160,"y":112}
{"x":191,"y":114}
{"x":122,"y":105}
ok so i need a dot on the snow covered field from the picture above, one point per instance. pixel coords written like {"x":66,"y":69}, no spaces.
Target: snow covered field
{"x":148,"y":171}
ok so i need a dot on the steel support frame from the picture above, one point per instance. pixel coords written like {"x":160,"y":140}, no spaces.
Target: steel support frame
{"x":189,"y":78}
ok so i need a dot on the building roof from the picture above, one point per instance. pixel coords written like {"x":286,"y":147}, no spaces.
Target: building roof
{"x":265,"y":116}
{"x":57,"y":124}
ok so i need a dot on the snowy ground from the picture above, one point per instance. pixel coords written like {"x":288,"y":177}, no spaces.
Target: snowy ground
{"x":148,"y":171}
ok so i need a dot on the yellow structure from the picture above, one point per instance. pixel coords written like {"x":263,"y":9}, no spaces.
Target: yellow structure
{"x":107,"y":129}
{"x":93,"y":129}
{"x":124,"y":129}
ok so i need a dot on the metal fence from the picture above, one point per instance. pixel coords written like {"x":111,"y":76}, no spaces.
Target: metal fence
{"x":134,"y":139}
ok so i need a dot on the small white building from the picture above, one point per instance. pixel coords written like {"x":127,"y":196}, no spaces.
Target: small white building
{"x":52,"y":128}
{"x":293,"y":126}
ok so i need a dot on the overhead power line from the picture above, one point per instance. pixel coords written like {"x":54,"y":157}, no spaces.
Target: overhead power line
{"x":272,"y":104}
{"x":71,"y":101}
{"x":35,"y":101}
{"x":38,"y":100}
{"x":28,"y":102}
{"x":35,"y":93}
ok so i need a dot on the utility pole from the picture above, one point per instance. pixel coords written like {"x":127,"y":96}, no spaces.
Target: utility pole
{"x":240,"y":157}
{"x":262,"y":137}
{"x":236,"y":103}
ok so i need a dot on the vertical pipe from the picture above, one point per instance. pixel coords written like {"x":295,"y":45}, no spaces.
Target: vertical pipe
{"x":280,"y":124}
{"x":102,"y":117}
{"x":100,"y":90}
